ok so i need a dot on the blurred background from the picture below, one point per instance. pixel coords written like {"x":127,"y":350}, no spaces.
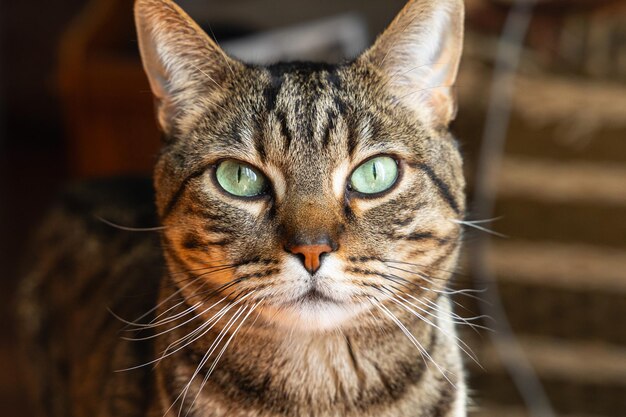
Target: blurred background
{"x":74,"y":104}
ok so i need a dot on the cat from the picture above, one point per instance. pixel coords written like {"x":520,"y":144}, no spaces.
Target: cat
{"x":309,"y":220}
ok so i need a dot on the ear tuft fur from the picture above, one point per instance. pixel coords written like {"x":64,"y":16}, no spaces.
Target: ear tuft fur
{"x":182,"y":63}
{"x":419,"y":53}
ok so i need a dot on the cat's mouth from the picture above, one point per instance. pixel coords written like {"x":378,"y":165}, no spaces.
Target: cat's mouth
{"x":315,"y":307}
{"x":314,"y":296}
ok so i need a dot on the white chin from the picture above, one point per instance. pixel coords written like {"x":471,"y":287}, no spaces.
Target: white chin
{"x":313,"y":315}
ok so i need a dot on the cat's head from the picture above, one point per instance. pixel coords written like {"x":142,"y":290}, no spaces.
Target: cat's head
{"x":318,"y":190}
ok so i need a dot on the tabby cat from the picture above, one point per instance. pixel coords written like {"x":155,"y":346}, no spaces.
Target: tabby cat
{"x":309,"y":220}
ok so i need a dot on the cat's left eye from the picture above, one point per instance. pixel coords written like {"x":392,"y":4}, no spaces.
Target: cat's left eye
{"x":240,"y":179}
{"x":375,"y":175}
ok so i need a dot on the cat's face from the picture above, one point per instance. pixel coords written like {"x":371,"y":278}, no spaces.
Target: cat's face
{"x":318,"y":190}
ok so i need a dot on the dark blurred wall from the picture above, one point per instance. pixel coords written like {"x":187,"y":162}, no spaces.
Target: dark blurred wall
{"x":31,"y":154}
{"x":30,"y":32}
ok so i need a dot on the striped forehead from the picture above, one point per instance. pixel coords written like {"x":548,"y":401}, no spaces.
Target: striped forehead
{"x":303,"y":99}
{"x":306,"y":116}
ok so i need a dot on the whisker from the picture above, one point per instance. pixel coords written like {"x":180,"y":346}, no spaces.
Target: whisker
{"x":425,"y":277}
{"x":411,"y":285}
{"x":424,"y":89}
{"x":139,"y":325}
{"x":205,"y":358}
{"x":168,"y":298}
{"x":152,"y":324}
{"x":415,"y":342}
{"x":445,"y":290}
{"x":130,"y":229}
{"x":479,"y":227}
{"x":456,"y":318}
{"x":212,"y":80}
{"x":213,"y":320}
{"x":219,"y":355}
{"x":482,"y":221}
{"x":221,"y":51}
{"x":210,"y":294}
{"x":453,"y":272}
{"x":202,"y":329}
{"x":460,"y":343}
{"x":155,"y":335}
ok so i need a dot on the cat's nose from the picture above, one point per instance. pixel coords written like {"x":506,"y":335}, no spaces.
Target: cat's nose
{"x":310,"y":254}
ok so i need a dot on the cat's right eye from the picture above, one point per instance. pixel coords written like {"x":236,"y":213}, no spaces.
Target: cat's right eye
{"x":375,"y":176}
{"x":240,"y":179}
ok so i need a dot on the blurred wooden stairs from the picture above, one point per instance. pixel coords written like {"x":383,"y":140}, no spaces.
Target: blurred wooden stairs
{"x":562,"y":198}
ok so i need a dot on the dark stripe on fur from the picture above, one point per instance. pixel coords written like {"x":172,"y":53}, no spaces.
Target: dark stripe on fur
{"x":256,"y":390}
{"x":416,"y":236}
{"x":421,"y":236}
{"x":448,"y":250}
{"x":352,"y":138}
{"x":443,"y":188}
{"x":198,"y":212}
{"x":330,"y":126}
{"x":192,"y":241}
{"x":307,"y":129}
{"x":211,"y":228}
{"x":342,"y":107}
{"x":445,"y":400}
{"x":273,"y":89}
{"x":259,"y":146}
{"x":171,"y":204}
{"x":284,"y":129}
{"x":402,"y":222}
{"x":333,"y":78}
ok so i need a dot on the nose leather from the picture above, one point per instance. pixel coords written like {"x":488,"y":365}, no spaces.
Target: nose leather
{"x":311,"y":255}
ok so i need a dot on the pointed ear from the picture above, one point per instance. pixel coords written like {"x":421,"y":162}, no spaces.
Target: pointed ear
{"x":419,"y":54}
{"x":182,"y":63}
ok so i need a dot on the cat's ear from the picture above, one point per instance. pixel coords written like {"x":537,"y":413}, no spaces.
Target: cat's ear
{"x":419,"y":54}
{"x":182,"y":63}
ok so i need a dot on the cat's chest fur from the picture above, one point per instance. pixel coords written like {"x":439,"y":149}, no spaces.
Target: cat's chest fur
{"x":371,"y":372}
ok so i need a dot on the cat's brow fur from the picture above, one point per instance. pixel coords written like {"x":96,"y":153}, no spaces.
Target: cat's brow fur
{"x":388,"y":346}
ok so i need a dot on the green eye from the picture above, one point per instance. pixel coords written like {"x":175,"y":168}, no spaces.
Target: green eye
{"x":240,"y":179}
{"x":375,"y":176}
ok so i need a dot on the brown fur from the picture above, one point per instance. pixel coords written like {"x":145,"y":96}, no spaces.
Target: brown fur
{"x":306,"y":127}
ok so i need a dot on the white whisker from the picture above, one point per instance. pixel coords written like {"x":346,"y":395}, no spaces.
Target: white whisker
{"x":130,"y":229}
{"x":459,"y":343}
{"x":476,"y":225}
{"x":212,"y":322}
{"x":219,"y":356}
{"x":183,"y":394}
{"x":415,"y":342}
{"x":152,"y":324}
{"x":200,"y":314}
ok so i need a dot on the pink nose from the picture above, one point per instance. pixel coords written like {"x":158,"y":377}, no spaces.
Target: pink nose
{"x":311,"y":254}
